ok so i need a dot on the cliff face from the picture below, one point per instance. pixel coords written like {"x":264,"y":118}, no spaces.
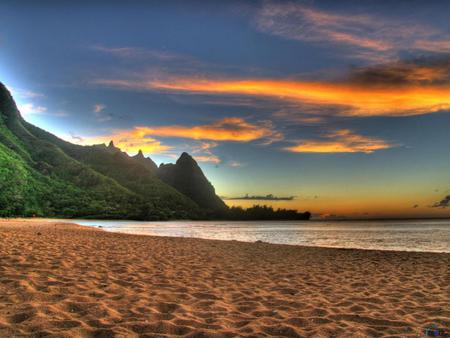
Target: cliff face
{"x":145,"y":161}
{"x":43,"y":175}
{"x":187,"y":177}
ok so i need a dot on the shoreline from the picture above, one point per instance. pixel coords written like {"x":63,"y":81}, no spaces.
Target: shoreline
{"x":234,"y":220}
{"x":180,"y":221}
{"x":69,"y":280}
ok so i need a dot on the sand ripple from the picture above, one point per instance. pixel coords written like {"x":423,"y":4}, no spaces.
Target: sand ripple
{"x":66,"y":281}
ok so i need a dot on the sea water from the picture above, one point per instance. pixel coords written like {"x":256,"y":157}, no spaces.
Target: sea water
{"x":409,"y":235}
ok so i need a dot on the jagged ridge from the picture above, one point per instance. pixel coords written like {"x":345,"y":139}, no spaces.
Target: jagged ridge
{"x":187,"y":177}
{"x":56,"y":178}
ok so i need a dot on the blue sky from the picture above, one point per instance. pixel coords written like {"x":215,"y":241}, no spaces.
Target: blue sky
{"x":344,"y":105}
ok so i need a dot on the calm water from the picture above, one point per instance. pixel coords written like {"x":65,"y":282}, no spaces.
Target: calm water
{"x":411,"y":235}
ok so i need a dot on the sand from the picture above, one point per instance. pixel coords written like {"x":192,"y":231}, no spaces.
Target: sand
{"x":65,"y":280}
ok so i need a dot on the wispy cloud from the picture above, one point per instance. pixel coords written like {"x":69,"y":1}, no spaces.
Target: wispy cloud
{"x":29,"y":109}
{"x":417,"y":72}
{"x":269,"y":197}
{"x":138,"y":53}
{"x":299,"y":22}
{"x":98,"y":108}
{"x":127,"y":141}
{"x":370,"y":37}
{"x":203,"y":152}
{"x":400,"y":88}
{"x":155,"y":63}
{"x":76,"y":138}
{"x":435,"y":46}
{"x":354,"y":99}
{"x":207,"y":158}
{"x":304,"y":114}
{"x":228,"y":129}
{"x":444,"y":203}
{"x":24,"y":93}
{"x":204,"y":147}
{"x":235,"y":164}
{"x":341,"y":141}
{"x":101,"y":115}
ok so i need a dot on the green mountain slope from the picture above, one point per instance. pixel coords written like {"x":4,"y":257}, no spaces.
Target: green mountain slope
{"x":133,"y":173}
{"x":43,"y":175}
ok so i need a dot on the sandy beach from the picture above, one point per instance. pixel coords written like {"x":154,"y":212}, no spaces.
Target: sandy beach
{"x":63,"y":280}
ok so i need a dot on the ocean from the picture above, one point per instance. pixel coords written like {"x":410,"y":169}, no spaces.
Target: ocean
{"x":401,"y":235}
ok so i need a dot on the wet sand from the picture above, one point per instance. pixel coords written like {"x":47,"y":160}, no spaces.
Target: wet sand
{"x":64,"y":280}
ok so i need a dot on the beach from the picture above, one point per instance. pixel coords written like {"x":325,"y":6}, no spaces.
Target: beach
{"x":65,"y":280}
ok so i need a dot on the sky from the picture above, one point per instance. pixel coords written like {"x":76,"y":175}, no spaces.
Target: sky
{"x":341,"y":108}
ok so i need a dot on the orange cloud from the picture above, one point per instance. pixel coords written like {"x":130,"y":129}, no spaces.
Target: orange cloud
{"x":357,"y":100}
{"x":341,"y":141}
{"x":208,"y":158}
{"x":419,"y":72}
{"x":204,"y":147}
{"x":130,"y":142}
{"x":438,"y":46}
{"x":227,"y":129}
{"x":203,"y":152}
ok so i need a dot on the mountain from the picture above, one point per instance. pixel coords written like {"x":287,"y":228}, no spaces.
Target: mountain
{"x":146,"y":161}
{"x":43,"y":175}
{"x":187,"y":177}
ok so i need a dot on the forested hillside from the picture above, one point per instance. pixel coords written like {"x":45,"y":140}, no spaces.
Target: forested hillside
{"x":44,"y":176}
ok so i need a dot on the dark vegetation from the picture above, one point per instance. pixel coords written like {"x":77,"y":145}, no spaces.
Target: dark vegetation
{"x":42,"y":175}
{"x":262,"y":212}
{"x":187,"y":177}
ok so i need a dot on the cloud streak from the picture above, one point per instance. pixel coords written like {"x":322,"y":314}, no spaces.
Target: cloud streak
{"x":435,"y":46}
{"x":98,"y":108}
{"x":227,"y":129}
{"x":299,"y":22}
{"x":203,"y":152}
{"x":23,"y":93}
{"x":370,"y":37}
{"x":419,"y":72}
{"x":128,"y":141}
{"x":444,"y":203}
{"x":207,"y":158}
{"x":341,"y":141}
{"x":136,"y":53}
{"x":269,"y":197}
{"x":399,"y":88}
{"x":231,"y":129}
{"x":99,"y":112}
{"x":29,"y":109}
{"x":354,"y":99}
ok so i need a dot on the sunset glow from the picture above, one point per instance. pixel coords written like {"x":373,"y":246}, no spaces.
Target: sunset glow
{"x":355,"y":100}
{"x":344,"y":106}
{"x":341,"y":141}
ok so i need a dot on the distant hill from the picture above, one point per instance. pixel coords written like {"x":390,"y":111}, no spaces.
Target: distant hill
{"x":42,"y":175}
